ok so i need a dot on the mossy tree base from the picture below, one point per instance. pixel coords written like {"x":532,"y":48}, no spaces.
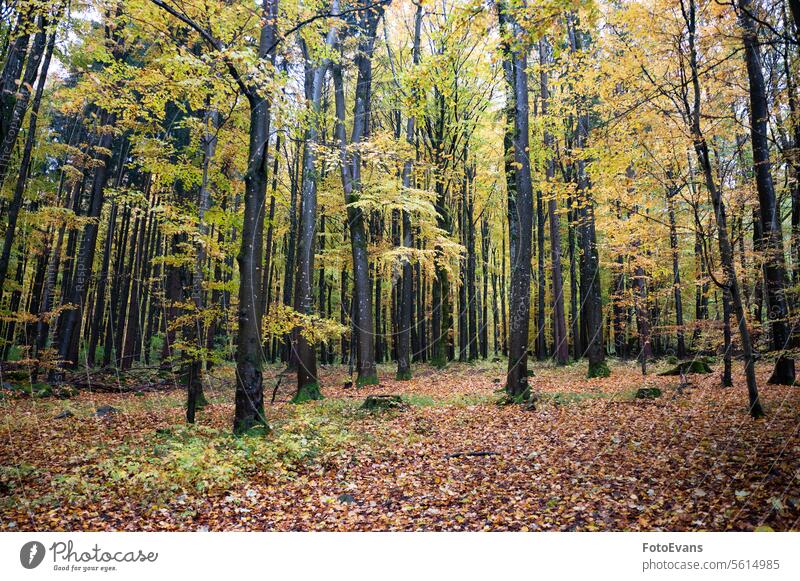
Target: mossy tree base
{"x":367,"y":380}
{"x":525,"y":398}
{"x":251,"y":427}
{"x":403,"y":375}
{"x":308,"y":392}
{"x":598,"y":370}
{"x":201,"y":400}
{"x":439,"y":362}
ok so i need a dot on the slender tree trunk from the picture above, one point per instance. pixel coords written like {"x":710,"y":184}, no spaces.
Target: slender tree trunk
{"x":407,"y":289}
{"x":520,"y":206}
{"x":70,"y":323}
{"x":307,"y":378}
{"x":560,"y":340}
{"x":589,"y":260}
{"x":27,"y":152}
{"x":726,"y":253}
{"x":21,"y":101}
{"x":676,"y":275}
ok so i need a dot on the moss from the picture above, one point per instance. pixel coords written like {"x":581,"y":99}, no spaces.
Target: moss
{"x":568,"y":398}
{"x":403,"y":375}
{"x":366,"y":380}
{"x":201,"y":400}
{"x":648,"y":393}
{"x":380,"y":403}
{"x":598,"y":370}
{"x":308,"y":392}
{"x":244,"y":427}
{"x":686,"y":367}
{"x":439,"y":361}
{"x":420,"y":400}
{"x":258,"y":430}
{"x":523,"y":397}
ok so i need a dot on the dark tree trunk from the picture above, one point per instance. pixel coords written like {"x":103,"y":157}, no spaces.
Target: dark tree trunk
{"x":27,"y":152}
{"x":484,"y":327}
{"x":541,"y":338}
{"x":362,"y":297}
{"x":406,"y":298}
{"x":676,"y":275}
{"x":520,"y":205}
{"x":291,"y":252}
{"x":731,"y":283}
{"x":774,"y":262}
{"x":100,"y":299}
{"x":307,"y":379}
{"x":589,"y":260}
{"x":560,"y":340}
{"x":13,"y":125}
{"x":472,"y":301}
{"x":249,"y":409}
{"x":70,"y":323}
{"x":574,"y":287}
{"x":727,"y":380}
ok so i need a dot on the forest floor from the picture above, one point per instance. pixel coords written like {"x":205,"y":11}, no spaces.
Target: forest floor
{"x":589,"y":457}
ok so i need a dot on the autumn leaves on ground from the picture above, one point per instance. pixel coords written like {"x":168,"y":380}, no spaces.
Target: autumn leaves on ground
{"x":590,"y":456}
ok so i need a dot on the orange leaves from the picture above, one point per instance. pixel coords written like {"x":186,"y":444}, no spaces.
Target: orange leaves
{"x":590,"y":457}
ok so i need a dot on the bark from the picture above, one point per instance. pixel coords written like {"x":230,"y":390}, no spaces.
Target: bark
{"x":25,"y":163}
{"x":307,"y":379}
{"x":560,"y":340}
{"x":520,"y":206}
{"x":589,"y":260}
{"x":22,"y":100}
{"x":351,"y":185}
{"x":406,"y":298}
{"x":774,"y":262}
{"x":70,"y":324}
{"x":249,"y":409}
{"x":731,"y":283}
{"x":676,"y":275}
{"x":484,"y":327}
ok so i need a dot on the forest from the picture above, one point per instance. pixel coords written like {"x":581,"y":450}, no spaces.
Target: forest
{"x":364,"y":265}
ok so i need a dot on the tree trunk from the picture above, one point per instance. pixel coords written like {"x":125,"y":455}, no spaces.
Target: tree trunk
{"x":520,"y":206}
{"x":560,"y":340}
{"x":726,"y":253}
{"x":774,"y":262}
{"x":249,"y":409}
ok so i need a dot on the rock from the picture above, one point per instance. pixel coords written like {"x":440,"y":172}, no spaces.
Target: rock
{"x":383,"y":403}
{"x":64,"y":415}
{"x":346,"y":499}
{"x":686,"y":367}
{"x":105,"y":411}
{"x":648,"y":393}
